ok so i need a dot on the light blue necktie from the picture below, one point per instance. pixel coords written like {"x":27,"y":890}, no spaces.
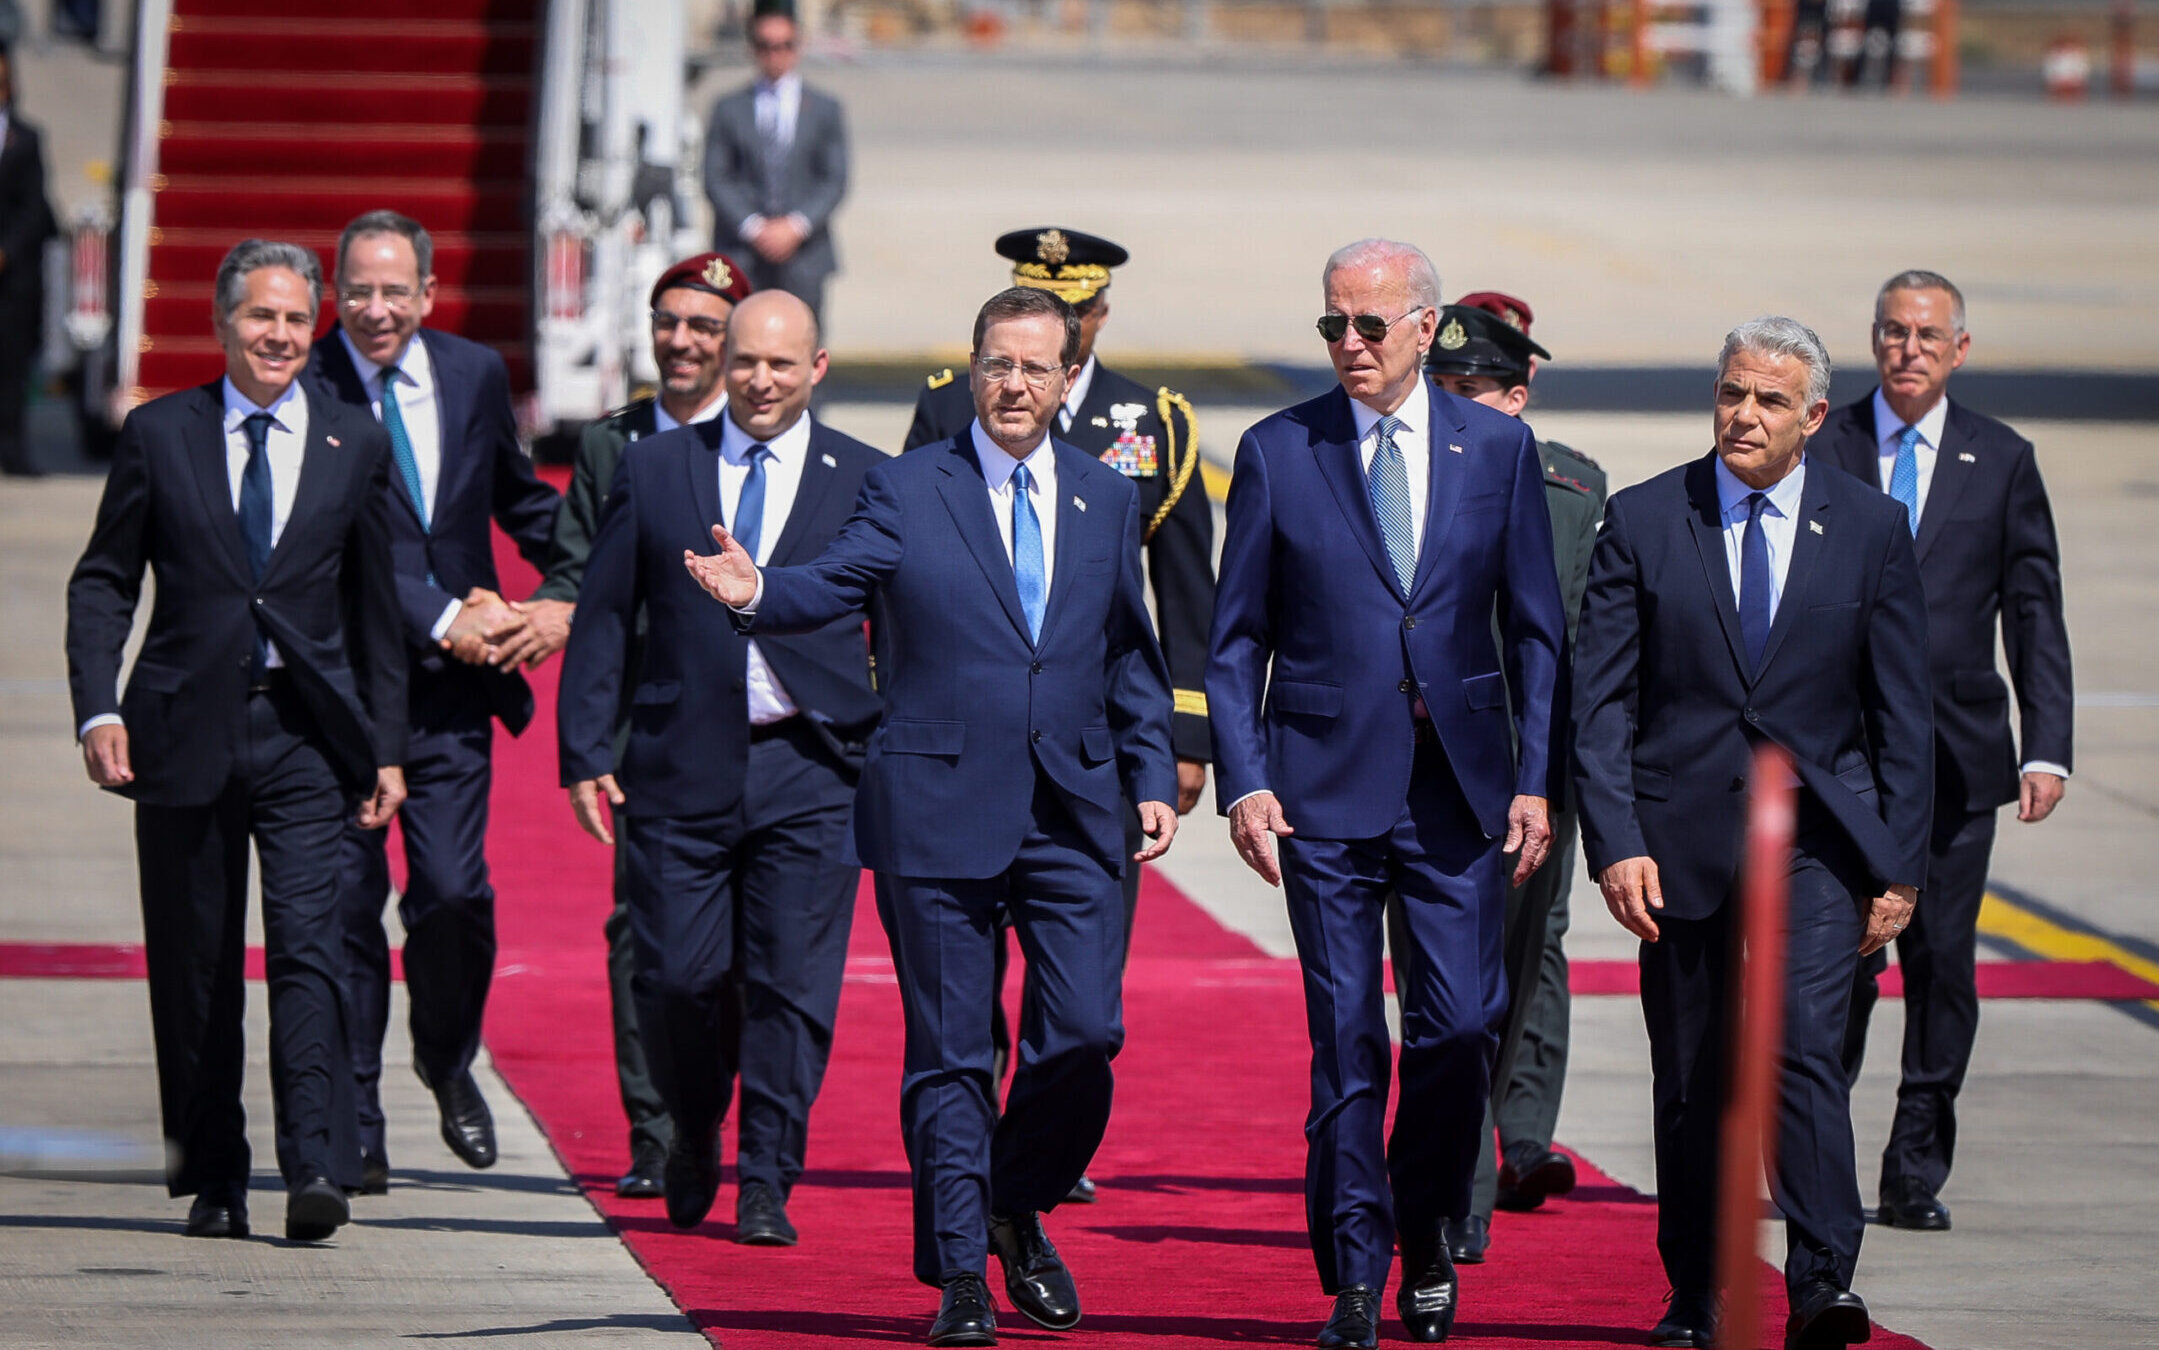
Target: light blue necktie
{"x":1027,"y":553}
{"x":1388,"y":484}
{"x":750,"y":505}
{"x":1904,"y":474}
{"x":408,"y":467}
{"x":1756,"y":609}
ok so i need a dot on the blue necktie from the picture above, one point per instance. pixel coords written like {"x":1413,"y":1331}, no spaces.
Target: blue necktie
{"x":1755,"y":611}
{"x":750,"y":503}
{"x":408,"y":467}
{"x":256,"y":510}
{"x":1904,"y":474}
{"x":1388,"y":484}
{"x":1027,"y":553}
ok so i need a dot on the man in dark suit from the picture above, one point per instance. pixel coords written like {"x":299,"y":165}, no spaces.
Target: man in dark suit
{"x":1749,"y":598}
{"x":268,"y":704}
{"x":1360,"y":696}
{"x":445,"y":405}
{"x":739,"y":770}
{"x":26,"y":222}
{"x":1150,"y":437}
{"x":1026,"y":702}
{"x":1974,"y":502}
{"x":776,"y":164}
{"x":1484,"y":353}
{"x":690,"y":305}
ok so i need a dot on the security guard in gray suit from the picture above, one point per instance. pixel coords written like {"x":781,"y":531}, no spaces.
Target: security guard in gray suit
{"x":1484,"y":352}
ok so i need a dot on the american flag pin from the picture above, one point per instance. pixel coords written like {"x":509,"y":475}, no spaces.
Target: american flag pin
{"x":1078,"y":503}
{"x":830,"y":462}
{"x":1815,"y":526}
{"x":1456,"y":448}
{"x":1967,"y":456}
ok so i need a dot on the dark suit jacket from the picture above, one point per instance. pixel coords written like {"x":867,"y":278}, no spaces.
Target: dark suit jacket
{"x":485,"y":476}
{"x":326,"y":599}
{"x":1668,"y":718}
{"x":26,"y":222}
{"x":1316,"y":654}
{"x":813,"y":183}
{"x":974,"y":710}
{"x":577,"y":521}
{"x":689,"y":714}
{"x":1987,"y":557}
{"x":1155,"y":443}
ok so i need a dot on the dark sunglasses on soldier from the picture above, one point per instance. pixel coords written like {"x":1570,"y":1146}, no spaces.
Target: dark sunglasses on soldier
{"x":1370,"y":327}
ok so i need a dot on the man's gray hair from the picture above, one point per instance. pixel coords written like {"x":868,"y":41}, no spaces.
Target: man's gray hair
{"x":1919,"y":279}
{"x":389,"y":222}
{"x":1775,"y":335}
{"x":1418,"y":274}
{"x":252,"y":255}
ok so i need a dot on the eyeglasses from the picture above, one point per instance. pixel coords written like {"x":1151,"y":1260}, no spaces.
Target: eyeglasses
{"x":709,"y":329}
{"x":396,"y":299}
{"x":1896,"y":335}
{"x":996,"y":370}
{"x":1370,"y":327}
{"x":763,"y":48}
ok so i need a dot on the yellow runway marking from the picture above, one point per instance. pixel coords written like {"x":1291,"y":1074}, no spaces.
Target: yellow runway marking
{"x":2003,"y":919}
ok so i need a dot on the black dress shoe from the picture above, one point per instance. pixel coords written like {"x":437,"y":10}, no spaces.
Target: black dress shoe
{"x":315,"y":1208}
{"x":1825,"y":1317}
{"x":1429,"y":1293}
{"x":1907,"y":1203}
{"x":964,"y":1315}
{"x":467,"y":1127}
{"x":691,"y":1177}
{"x":1467,"y":1239}
{"x":1036,"y":1279}
{"x":1690,"y":1323}
{"x":219,"y":1211}
{"x":1083,"y":1191}
{"x":1531,"y":1175}
{"x":1354,"y":1323}
{"x":761,"y":1218}
{"x":374,"y":1174}
{"x":648,"y":1163}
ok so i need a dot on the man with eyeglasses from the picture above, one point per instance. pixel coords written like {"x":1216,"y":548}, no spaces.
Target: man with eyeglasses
{"x":1361,"y":717}
{"x":776,"y":164}
{"x":1988,"y":559}
{"x":1150,"y":437}
{"x":459,"y":468}
{"x":690,"y":305}
{"x":1025,"y":704}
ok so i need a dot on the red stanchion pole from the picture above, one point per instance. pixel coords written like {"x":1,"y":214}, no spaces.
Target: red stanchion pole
{"x":1757,"y":1042}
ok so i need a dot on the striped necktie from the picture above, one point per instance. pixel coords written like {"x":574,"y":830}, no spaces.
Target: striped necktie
{"x":1388,"y":484}
{"x":1904,"y":475}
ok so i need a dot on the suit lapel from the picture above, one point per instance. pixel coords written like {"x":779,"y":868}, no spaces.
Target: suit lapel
{"x":1706,"y":522}
{"x":453,"y":457}
{"x":1807,"y":545}
{"x":343,"y":382}
{"x":1341,"y":467}
{"x":967,"y":497}
{"x":206,"y":454}
{"x":818,"y":472}
{"x":1952,"y":474}
{"x":1443,"y":480}
{"x":1072,"y":520}
{"x":318,"y":482}
{"x":704,"y":464}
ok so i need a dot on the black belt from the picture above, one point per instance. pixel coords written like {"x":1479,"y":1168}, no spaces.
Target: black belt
{"x":769,"y":731}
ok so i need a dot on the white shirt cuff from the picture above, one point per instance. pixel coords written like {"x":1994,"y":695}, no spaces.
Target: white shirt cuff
{"x":749,"y":611}
{"x":749,"y":227}
{"x":101,"y":720}
{"x":801,"y":223}
{"x":2045,"y":766}
{"x":1245,"y":798}
{"x":449,"y":616}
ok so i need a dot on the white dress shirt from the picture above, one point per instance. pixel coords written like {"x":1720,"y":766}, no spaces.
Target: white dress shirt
{"x":1076,"y":395}
{"x":769,"y":701}
{"x":997,"y":467}
{"x":1413,"y":438}
{"x":777,"y":106}
{"x":419,"y":407}
{"x":1889,"y":427}
{"x":1780,"y":523}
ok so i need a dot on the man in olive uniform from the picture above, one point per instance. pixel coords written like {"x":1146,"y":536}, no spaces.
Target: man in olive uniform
{"x":1148,"y":436}
{"x":690,"y":305}
{"x":1484,"y":352}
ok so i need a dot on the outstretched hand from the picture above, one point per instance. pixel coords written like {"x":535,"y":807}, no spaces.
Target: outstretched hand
{"x":727,"y":576}
{"x":1159,"y":823}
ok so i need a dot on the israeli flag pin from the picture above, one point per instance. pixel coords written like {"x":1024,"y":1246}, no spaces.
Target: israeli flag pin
{"x":1078,"y":503}
{"x":1967,"y":456}
{"x":830,"y":462}
{"x":1815,"y":526}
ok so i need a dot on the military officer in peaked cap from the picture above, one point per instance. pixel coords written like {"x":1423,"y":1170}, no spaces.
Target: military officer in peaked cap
{"x":1484,"y":352}
{"x":1149,"y":436}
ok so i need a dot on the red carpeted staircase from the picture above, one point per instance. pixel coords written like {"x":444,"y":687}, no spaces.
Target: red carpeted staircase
{"x":284,"y":119}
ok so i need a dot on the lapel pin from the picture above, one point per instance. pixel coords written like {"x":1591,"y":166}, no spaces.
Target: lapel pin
{"x":1078,"y":503}
{"x":1967,"y":457}
{"x":830,"y":462}
{"x":333,"y":440}
{"x":1101,"y":421}
{"x":1456,"y":448}
{"x":1815,"y":526}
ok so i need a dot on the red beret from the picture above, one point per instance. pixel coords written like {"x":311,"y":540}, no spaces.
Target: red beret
{"x":1514,"y":313}
{"x":712,"y":273}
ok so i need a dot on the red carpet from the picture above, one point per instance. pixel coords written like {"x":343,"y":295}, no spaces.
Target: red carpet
{"x":1199,"y":1237}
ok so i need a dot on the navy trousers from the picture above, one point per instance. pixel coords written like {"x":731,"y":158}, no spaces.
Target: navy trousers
{"x":447,"y":909}
{"x":1359,"y":1191}
{"x":1687,"y":989}
{"x":968,"y":1161}
{"x":193,"y":864}
{"x":740,"y":923}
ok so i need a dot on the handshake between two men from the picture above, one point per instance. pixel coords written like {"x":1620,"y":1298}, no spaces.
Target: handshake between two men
{"x":506,"y":634}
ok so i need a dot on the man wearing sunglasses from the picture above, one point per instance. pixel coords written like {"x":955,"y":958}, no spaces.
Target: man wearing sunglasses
{"x":690,"y":305}
{"x":1149,"y":436}
{"x":1360,"y":707}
